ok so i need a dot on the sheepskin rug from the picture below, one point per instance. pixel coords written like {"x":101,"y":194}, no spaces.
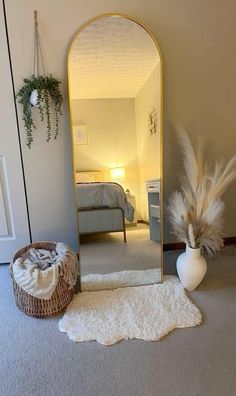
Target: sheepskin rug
{"x":143,"y":312}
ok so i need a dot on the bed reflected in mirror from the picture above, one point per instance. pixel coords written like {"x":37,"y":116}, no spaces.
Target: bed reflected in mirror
{"x":114,"y":76}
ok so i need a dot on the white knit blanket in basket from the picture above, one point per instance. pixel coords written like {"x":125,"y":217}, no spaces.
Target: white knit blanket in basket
{"x":37,"y":272}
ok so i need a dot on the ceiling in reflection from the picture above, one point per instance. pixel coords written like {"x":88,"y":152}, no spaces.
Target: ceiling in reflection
{"x":111,"y":58}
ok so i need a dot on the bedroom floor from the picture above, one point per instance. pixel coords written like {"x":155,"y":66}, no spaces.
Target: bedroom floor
{"x":139,"y":252}
{"x":36,"y":359}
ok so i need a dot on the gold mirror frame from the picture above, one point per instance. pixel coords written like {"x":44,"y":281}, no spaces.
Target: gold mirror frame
{"x":120,"y":15}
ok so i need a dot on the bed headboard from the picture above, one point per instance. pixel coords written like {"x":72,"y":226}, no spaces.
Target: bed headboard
{"x":88,"y":176}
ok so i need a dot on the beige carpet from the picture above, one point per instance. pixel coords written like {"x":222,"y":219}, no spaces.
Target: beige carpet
{"x":37,"y":359}
{"x":139,"y":253}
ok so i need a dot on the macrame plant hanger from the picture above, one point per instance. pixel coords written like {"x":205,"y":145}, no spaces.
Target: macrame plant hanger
{"x":38,"y":54}
{"x":42,"y":91}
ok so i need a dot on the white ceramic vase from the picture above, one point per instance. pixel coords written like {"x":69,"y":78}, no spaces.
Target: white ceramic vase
{"x":191,"y":268}
{"x":34,"y":98}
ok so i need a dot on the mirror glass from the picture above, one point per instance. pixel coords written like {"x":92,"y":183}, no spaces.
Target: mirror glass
{"x":114,"y":75}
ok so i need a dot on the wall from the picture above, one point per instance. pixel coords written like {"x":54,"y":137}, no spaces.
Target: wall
{"x":111,"y":138}
{"x":148,"y":145}
{"x":197,"y":40}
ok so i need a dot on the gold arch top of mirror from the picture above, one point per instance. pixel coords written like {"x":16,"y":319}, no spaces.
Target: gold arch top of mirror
{"x":107,"y":41}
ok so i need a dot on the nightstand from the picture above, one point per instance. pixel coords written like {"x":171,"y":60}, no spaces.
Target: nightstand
{"x":132,"y":201}
{"x":153,"y":192}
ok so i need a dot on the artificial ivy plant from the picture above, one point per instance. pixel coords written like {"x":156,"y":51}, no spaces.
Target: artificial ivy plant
{"x":49,"y":98}
{"x":42,"y":92}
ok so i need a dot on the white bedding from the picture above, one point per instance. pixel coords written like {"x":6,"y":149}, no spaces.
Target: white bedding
{"x":96,"y":195}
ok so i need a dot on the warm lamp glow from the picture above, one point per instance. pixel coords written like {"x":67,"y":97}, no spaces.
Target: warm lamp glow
{"x":118,"y":173}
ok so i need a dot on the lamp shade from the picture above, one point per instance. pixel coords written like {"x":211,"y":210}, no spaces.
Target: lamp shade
{"x":117,"y":173}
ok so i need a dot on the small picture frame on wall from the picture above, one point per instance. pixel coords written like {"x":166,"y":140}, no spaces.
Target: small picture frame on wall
{"x":80,"y":135}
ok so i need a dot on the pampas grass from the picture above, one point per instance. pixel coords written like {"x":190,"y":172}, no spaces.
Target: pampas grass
{"x":196,"y":213}
{"x":191,"y":236}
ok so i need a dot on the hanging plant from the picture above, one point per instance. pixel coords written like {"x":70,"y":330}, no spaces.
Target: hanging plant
{"x":43,"y":92}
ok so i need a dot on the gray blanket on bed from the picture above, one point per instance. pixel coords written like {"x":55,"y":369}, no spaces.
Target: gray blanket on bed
{"x":94,"y":195}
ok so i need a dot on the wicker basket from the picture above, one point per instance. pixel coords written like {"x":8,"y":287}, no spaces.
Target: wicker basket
{"x":37,"y":307}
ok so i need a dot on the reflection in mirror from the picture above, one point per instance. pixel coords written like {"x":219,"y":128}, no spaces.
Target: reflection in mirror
{"x":114,"y":74}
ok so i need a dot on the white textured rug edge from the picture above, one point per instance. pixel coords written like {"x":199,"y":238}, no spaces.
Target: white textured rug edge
{"x":125,"y":278}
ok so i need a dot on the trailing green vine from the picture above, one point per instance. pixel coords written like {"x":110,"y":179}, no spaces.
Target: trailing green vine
{"x":48,"y":91}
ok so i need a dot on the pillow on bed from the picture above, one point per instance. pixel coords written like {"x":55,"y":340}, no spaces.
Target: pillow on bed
{"x":88,"y":176}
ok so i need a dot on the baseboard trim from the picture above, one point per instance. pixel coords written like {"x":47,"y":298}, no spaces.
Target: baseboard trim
{"x":143,"y":222}
{"x":229,"y":240}
{"x":181,"y":245}
{"x":174,"y":246}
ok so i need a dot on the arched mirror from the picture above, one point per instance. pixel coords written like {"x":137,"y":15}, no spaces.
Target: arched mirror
{"x":115,"y":84}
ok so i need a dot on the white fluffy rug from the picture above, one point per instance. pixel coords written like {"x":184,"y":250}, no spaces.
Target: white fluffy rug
{"x":120,"y":279}
{"x":144,"y":312}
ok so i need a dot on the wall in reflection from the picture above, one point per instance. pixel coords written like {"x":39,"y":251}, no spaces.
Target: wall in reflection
{"x":117,"y":133}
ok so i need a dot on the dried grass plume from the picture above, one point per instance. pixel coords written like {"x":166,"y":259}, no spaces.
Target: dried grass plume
{"x":196,"y":212}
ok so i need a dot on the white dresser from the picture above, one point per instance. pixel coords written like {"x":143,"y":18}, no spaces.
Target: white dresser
{"x":153,"y":192}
